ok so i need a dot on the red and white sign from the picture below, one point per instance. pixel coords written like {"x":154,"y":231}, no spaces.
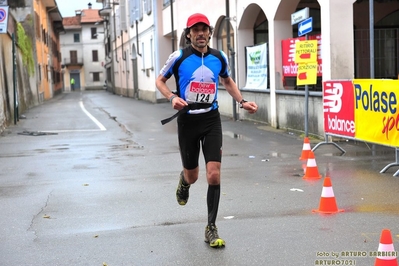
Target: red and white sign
{"x":290,"y":68}
{"x":203,"y":92}
{"x":338,"y":107}
{"x":3,"y":19}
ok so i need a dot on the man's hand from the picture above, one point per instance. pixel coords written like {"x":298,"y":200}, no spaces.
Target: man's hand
{"x":251,"y":107}
{"x":178,"y":103}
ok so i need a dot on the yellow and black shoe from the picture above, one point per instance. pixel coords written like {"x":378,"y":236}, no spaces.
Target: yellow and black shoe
{"x":212,"y":237}
{"x":182,"y":191}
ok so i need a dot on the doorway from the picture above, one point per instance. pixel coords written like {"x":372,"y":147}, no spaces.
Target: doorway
{"x":76,"y":77}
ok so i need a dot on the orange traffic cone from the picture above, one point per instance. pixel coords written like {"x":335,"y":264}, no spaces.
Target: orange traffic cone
{"x":386,"y":255}
{"x":327,"y":201}
{"x":305,"y":149}
{"x":311,"y":171}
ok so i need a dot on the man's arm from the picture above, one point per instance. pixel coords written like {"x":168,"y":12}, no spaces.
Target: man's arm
{"x":160,"y":83}
{"x":177,"y":102}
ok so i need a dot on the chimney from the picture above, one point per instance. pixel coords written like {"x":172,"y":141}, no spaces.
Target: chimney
{"x":89,"y":5}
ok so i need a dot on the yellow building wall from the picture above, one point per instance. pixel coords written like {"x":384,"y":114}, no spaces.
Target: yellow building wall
{"x":42,"y":51}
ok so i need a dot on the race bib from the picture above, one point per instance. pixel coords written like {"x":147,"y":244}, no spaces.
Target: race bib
{"x":201,"y":92}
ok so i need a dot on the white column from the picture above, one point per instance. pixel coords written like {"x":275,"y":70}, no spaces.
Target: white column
{"x":278,"y":31}
{"x":278,"y":13}
{"x":337,"y":39}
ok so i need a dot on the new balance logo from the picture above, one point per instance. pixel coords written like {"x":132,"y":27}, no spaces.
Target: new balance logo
{"x":332,"y":101}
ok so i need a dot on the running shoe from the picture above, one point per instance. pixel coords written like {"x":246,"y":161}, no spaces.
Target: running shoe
{"x":182,"y":191}
{"x":212,"y":237}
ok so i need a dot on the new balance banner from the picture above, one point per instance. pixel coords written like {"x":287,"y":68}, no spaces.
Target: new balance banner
{"x":339,"y":115}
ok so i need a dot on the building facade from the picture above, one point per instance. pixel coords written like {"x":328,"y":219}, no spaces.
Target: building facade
{"x":82,"y":48}
{"x":48,"y":26}
{"x":144,"y":37}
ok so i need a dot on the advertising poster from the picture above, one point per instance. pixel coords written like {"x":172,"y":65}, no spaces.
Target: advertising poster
{"x":290,"y":68}
{"x":338,"y":108}
{"x":306,"y":58}
{"x":307,"y":74}
{"x":377,"y":111}
{"x":256,"y":67}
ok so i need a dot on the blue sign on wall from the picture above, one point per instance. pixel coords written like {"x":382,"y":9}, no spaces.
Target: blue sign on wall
{"x":305,"y":26}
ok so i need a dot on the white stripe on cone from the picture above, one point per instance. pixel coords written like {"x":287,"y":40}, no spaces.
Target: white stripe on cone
{"x":384,"y":248}
{"x":327,"y":192}
{"x":306,"y":146}
{"x":311,"y":163}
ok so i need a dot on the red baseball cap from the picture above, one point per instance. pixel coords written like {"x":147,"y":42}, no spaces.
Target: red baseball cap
{"x":197,"y":18}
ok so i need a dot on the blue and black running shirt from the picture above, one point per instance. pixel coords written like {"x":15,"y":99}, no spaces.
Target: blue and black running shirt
{"x":197,"y":75}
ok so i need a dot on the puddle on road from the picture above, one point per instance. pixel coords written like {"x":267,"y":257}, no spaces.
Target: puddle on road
{"x":36,"y":133}
{"x":127,"y":146}
{"x":236,"y":136}
{"x":375,"y":208}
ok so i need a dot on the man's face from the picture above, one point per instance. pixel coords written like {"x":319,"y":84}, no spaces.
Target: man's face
{"x":199,"y":35}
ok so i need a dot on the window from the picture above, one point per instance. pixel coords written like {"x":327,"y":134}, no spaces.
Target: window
{"x":94,"y":55}
{"x":108,"y":47}
{"x":96,"y":76}
{"x":40,"y":72}
{"x":37,"y":22}
{"x":136,"y":11}
{"x":122,"y":15}
{"x":76,"y":37}
{"x":74,"y":57}
{"x":222,"y":41}
{"x":222,"y":37}
{"x":147,"y":7}
{"x":94,"y":33}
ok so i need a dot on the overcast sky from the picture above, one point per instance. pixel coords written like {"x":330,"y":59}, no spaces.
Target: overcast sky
{"x":68,"y":7}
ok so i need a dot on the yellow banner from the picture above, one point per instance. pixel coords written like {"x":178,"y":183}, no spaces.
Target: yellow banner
{"x":377,"y":111}
{"x":306,"y":51}
{"x":307,"y":74}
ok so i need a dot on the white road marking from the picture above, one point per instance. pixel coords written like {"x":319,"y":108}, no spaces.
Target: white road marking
{"x":101,"y":127}
{"x":92,"y":117}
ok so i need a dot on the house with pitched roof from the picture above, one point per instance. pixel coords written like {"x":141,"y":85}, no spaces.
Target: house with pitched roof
{"x":82,"y":50}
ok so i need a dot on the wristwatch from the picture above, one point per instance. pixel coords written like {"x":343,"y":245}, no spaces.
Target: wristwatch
{"x":242,"y":101}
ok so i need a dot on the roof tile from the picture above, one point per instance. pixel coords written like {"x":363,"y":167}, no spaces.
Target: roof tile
{"x":85,"y":16}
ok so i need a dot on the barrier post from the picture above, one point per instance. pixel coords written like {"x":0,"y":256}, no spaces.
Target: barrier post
{"x":396,"y":163}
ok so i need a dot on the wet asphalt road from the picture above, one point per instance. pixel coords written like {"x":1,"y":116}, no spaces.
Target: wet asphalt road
{"x":89,"y":178}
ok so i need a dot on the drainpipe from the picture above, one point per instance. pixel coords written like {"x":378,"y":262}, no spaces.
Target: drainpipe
{"x":123,"y":51}
{"x":371,"y":23}
{"x":124,"y":56}
{"x":14,"y":78}
{"x":113,"y":18}
{"x":172,"y":26}
{"x":232,"y":55}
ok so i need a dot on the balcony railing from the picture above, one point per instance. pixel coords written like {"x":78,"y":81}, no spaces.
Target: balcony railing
{"x":73,"y":61}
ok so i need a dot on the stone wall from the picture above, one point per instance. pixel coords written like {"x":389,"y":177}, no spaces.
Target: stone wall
{"x":25,"y":85}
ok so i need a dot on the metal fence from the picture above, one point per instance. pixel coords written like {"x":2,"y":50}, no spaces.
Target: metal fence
{"x":386,"y":53}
